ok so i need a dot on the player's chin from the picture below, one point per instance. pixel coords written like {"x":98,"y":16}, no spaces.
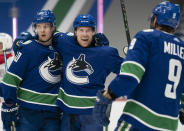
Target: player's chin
{"x":44,"y":39}
{"x":85,"y":43}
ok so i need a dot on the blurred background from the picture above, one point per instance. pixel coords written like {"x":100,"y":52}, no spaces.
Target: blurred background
{"x":17,"y":16}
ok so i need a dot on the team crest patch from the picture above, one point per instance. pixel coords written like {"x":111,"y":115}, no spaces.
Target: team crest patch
{"x":77,"y":66}
{"x":50,"y":69}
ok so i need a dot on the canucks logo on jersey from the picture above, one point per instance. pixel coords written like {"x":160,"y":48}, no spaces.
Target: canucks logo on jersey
{"x":78,"y":65}
{"x":49,"y":68}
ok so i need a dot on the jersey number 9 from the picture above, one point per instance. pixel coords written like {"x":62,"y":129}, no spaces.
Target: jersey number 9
{"x":175,"y":68}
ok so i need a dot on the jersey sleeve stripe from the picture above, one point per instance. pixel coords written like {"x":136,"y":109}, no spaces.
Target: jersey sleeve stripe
{"x":132,"y":68}
{"x":11,"y":79}
{"x":148,"y":117}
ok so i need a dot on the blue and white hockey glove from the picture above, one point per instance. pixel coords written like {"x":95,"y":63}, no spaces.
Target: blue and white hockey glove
{"x":9,"y":114}
{"x":24,"y":36}
{"x":181,"y":113}
{"x":101,"y":39}
{"x":102,"y":108}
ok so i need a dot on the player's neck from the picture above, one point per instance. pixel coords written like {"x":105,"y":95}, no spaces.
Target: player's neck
{"x":160,"y":29}
{"x":45,"y":43}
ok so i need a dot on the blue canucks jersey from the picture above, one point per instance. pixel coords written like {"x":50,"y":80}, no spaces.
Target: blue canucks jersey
{"x":33,"y":78}
{"x":85,"y":71}
{"x":153,"y":79}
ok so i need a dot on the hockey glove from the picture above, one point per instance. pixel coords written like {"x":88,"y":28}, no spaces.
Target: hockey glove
{"x":101,"y":39}
{"x":9,"y":114}
{"x":181,"y":113}
{"x":24,"y":36}
{"x":102,"y":108}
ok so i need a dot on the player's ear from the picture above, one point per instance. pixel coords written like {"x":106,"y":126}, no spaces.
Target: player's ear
{"x":75,"y":32}
{"x":53,"y":28}
{"x":153,"y":22}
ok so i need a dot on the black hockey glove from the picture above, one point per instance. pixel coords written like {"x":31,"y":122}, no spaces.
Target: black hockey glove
{"x":181,"y":113}
{"x":102,"y":108}
{"x":101,"y":39}
{"x":24,"y":36}
{"x":9,"y":114}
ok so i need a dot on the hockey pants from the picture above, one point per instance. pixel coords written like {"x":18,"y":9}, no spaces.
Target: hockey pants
{"x":33,"y":120}
{"x":75,"y":122}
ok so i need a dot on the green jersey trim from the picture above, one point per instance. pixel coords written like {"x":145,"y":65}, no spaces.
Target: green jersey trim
{"x":11,"y":79}
{"x":132,"y":68}
{"x":73,"y":101}
{"x":34,"y":97}
{"x":150,"y":118}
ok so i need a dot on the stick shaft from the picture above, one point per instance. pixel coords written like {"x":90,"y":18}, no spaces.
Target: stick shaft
{"x":125,"y":20}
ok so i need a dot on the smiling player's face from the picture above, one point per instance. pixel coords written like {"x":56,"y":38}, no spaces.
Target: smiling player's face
{"x":84,"y":36}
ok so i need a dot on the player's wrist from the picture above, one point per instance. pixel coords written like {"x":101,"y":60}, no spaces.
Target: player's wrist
{"x":9,"y":103}
{"x":109,"y":95}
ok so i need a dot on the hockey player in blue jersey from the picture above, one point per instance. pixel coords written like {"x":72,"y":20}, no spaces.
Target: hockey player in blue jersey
{"x":151,"y":77}
{"x":33,"y":81}
{"x":85,"y":68}
{"x":67,"y":46}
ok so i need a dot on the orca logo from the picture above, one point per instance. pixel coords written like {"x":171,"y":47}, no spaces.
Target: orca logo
{"x":50,"y":70}
{"x":78,"y":65}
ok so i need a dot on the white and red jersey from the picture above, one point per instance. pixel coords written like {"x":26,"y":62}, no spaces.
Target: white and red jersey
{"x":9,"y":57}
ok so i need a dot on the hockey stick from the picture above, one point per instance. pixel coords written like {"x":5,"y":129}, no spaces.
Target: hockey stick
{"x":125,"y":20}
